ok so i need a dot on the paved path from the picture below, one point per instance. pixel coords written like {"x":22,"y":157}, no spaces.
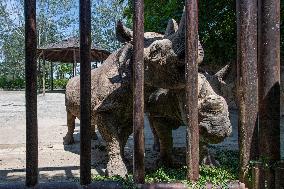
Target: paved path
{"x":56,"y":161}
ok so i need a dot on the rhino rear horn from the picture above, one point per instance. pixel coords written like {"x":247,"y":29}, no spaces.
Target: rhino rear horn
{"x":171,"y":28}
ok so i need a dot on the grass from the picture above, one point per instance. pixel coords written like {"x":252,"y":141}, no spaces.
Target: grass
{"x":216,"y":176}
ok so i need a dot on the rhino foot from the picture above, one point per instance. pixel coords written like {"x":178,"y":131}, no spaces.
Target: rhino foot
{"x":210,"y":161}
{"x":68,"y":139}
{"x":95,"y":136}
{"x":156,"y":146}
{"x":116,"y":167}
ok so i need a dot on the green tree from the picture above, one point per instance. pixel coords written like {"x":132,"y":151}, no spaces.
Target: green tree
{"x":105,"y":14}
{"x":217,"y":25}
{"x":54,"y":22}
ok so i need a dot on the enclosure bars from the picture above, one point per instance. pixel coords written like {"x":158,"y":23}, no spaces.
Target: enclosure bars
{"x":259,"y":54}
{"x":191,"y":77}
{"x":138,"y":92}
{"x":31,"y":93}
{"x":247,"y":86}
{"x":85,"y":92}
{"x":269,"y":85}
{"x":268,"y":48}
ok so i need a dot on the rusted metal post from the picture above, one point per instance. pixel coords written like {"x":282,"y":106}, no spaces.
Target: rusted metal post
{"x":74,"y":63}
{"x":191,"y":76}
{"x":31,"y":93}
{"x":85,"y":92}
{"x":39,"y":75}
{"x":247,"y":83}
{"x":138,"y":95}
{"x":43,"y":74}
{"x":258,"y":180}
{"x":51,"y":75}
{"x":279,"y":175}
{"x":269,"y":82}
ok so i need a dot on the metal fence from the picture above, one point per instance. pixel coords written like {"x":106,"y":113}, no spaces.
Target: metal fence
{"x":258,"y":81}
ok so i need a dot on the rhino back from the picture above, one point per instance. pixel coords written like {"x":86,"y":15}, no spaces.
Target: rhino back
{"x":107,"y":89}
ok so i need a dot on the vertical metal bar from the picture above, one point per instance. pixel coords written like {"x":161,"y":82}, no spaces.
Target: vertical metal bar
{"x":138,"y":95}
{"x":247,"y":83}
{"x":51,"y":75}
{"x":192,"y":154}
{"x":31,"y":93}
{"x":39,"y":75}
{"x":258,"y":176}
{"x":74,"y":63}
{"x":269,"y":82}
{"x":43,"y":74}
{"x":85,"y":92}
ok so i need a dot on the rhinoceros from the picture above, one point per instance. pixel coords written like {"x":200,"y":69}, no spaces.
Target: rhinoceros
{"x":112,"y":88}
{"x":166,"y":111}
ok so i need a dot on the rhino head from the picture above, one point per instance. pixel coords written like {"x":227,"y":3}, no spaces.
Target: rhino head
{"x":163,"y":54}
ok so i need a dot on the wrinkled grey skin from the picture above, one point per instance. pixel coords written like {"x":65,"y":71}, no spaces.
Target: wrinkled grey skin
{"x":166,"y":112}
{"x":111,"y":87}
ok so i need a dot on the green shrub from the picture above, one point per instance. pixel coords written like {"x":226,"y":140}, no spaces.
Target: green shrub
{"x":9,"y":84}
{"x":216,"y":176}
{"x":60,"y":83}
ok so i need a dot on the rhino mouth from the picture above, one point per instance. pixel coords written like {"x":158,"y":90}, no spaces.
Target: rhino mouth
{"x":214,"y":121}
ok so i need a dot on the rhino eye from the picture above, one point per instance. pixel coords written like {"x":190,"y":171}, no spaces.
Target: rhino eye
{"x":155,"y":51}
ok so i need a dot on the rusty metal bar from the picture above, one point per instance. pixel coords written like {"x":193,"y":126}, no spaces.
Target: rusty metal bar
{"x":247,"y":83}
{"x":67,"y":185}
{"x":43,"y":74}
{"x":138,"y":94}
{"x":51,"y":76}
{"x":74,"y":63}
{"x":85,"y":92}
{"x":39,"y":75}
{"x":258,"y":180}
{"x":279,"y":175}
{"x":269,"y":81}
{"x":31,"y":93}
{"x":191,"y":76}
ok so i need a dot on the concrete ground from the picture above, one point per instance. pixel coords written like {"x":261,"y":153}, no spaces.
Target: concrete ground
{"x":58,"y":161}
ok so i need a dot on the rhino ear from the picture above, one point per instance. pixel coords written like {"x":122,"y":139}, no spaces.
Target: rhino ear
{"x":171,"y":28}
{"x":123,"y":34}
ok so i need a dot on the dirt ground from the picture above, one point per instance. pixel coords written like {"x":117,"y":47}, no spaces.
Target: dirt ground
{"x":58,"y":161}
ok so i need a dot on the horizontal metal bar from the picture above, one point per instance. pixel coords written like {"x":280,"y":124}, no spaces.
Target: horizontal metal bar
{"x":162,"y":186}
{"x":67,"y":185}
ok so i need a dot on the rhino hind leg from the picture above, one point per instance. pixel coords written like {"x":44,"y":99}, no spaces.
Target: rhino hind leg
{"x":69,"y":139}
{"x":93,"y":132}
{"x":107,"y":126}
{"x":206,"y":157}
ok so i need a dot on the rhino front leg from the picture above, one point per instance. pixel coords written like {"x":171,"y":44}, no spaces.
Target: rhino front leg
{"x":69,"y":139}
{"x":163,"y":128}
{"x":156,"y":145}
{"x":107,"y":126}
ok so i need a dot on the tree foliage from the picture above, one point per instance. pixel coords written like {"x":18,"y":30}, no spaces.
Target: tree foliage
{"x":56,"y":20}
{"x":105,"y":15}
{"x":217,"y":25}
